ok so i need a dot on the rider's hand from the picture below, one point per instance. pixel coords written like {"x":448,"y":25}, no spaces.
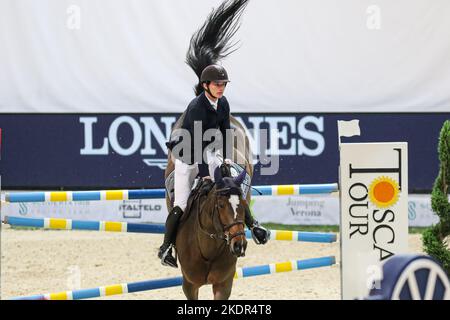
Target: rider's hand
{"x":260,"y":235}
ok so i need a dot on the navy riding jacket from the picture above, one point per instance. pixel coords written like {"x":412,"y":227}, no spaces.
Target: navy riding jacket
{"x":200,"y":109}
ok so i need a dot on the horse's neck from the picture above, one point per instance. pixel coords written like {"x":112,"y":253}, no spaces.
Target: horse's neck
{"x":209,"y":247}
{"x":207,"y":213}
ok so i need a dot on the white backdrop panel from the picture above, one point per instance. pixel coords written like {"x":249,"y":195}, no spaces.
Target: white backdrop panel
{"x":294,"y":56}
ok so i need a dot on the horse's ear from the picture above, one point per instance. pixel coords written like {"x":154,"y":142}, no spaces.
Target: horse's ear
{"x":240,"y":178}
{"x":225,"y":170}
{"x":218,"y":175}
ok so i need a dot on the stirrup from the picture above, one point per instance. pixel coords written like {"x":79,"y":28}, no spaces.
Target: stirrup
{"x":167,"y":259}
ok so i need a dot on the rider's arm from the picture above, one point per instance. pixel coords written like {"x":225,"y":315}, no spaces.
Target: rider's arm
{"x":223,"y":128}
{"x":196,"y":114}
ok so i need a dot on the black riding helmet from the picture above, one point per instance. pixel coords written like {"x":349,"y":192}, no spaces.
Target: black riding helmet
{"x":214,"y":72}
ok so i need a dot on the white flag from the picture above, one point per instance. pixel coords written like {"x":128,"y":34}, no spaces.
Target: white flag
{"x":348,"y":128}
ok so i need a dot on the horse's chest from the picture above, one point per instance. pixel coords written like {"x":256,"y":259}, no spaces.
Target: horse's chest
{"x":199,"y":271}
{"x":220,"y":273}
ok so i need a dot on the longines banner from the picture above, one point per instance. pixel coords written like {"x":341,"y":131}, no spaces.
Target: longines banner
{"x":374,"y":210}
{"x":107,"y":151}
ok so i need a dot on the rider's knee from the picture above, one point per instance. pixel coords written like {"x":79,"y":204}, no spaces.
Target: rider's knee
{"x":182,"y":204}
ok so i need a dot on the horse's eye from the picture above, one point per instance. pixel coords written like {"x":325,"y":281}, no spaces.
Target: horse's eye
{"x":221,"y":205}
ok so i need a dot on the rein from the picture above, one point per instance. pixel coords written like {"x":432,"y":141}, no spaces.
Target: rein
{"x":221,"y":235}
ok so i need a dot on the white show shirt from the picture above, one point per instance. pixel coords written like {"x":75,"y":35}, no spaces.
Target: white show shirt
{"x":213,"y":103}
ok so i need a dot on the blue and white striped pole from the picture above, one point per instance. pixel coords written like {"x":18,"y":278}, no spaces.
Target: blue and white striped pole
{"x":68,"y":224}
{"x":64,"y":196}
{"x":177,"y":281}
{"x":108,"y":290}
{"x":301,"y":236}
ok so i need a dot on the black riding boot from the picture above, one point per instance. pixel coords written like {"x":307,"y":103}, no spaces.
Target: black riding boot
{"x":259,"y":234}
{"x":165,"y":251}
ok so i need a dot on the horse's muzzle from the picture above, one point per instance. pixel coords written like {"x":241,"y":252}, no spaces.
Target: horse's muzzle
{"x":238,"y":247}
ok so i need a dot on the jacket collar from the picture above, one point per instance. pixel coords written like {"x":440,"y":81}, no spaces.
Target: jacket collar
{"x":206,"y":102}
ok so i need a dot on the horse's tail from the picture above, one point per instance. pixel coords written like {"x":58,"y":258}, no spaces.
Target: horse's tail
{"x":210,"y":43}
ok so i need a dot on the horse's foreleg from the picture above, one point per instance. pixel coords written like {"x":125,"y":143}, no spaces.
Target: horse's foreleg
{"x":190,"y":290}
{"x":222,"y":291}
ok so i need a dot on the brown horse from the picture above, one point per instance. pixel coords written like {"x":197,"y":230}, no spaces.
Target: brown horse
{"x":211,"y":233}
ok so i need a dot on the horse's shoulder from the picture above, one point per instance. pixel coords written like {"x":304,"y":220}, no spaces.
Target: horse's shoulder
{"x":198,"y":193}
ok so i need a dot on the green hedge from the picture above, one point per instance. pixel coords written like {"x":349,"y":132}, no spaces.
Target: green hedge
{"x":435,"y":238}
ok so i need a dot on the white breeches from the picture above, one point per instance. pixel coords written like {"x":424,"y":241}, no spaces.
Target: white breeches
{"x":185,"y":175}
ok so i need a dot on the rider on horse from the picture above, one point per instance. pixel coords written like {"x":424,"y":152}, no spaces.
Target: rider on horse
{"x":212,"y":110}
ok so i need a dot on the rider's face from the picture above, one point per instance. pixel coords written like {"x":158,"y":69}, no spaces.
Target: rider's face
{"x":217,"y":88}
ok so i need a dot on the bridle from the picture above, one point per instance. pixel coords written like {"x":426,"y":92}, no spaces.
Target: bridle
{"x":224,"y":234}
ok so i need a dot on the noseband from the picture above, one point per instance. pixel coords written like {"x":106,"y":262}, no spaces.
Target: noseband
{"x":223,"y":234}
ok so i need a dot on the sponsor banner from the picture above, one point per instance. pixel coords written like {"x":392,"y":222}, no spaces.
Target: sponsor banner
{"x":303,"y":210}
{"x":119,"y":151}
{"x":420,"y":213}
{"x":137,"y":211}
{"x":324,"y":210}
{"x":374,"y":210}
{"x":295,"y":210}
{"x":300,"y":210}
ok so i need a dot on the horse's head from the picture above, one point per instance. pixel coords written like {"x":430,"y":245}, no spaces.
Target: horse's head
{"x":231,"y":208}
